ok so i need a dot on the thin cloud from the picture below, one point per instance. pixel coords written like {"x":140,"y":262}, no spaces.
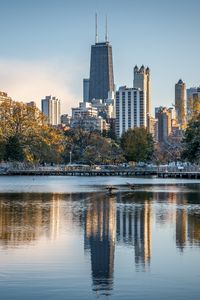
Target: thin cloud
{"x":32,"y":81}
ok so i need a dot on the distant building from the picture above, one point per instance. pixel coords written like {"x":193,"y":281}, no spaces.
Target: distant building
{"x":65,"y":120}
{"x":4,"y":97}
{"x":112,"y":101}
{"x":180,"y":102}
{"x":90,"y":124}
{"x":164,"y":116}
{"x":152,"y":125}
{"x":85,"y":109}
{"x":31,"y":104}
{"x":86,"y":85}
{"x":86,"y":117}
{"x":105,"y":108}
{"x":130,"y":109}
{"x":193,"y":101}
{"x":101,"y":69}
{"x":51,"y":109}
{"x":142,"y":81}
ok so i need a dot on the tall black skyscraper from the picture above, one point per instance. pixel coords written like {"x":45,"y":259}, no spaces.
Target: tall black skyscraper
{"x":101,"y":69}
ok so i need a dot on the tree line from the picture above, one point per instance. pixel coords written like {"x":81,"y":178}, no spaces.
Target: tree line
{"x":25,"y":136}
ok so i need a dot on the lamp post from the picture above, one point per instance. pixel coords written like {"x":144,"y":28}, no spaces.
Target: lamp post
{"x":70,"y":157}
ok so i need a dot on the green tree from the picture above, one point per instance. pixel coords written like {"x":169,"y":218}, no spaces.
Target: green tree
{"x":91,"y":147}
{"x":2,"y":150}
{"x":14,"y":149}
{"x":191,"y":140}
{"x":137,"y":144}
{"x":76,"y":141}
{"x":102,"y":150}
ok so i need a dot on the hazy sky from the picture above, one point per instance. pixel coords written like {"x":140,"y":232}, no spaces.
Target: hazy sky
{"x":45,"y":45}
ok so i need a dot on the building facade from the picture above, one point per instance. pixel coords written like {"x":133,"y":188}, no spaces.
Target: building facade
{"x":180,"y":102}
{"x":152,"y":125}
{"x":142,"y":81}
{"x":51,"y":109}
{"x":130,"y":109}
{"x":85,"y":109}
{"x":5,"y":98}
{"x":101,"y":71}
{"x":164,"y":117}
{"x":65,"y":120}
{"x":86,"y":117}
{"x":86,"y":86}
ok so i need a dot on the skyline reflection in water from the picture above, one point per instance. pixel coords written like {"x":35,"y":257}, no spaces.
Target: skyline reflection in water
{"x":105,"y":226}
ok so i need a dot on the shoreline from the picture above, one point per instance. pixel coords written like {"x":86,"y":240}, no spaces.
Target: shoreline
{"x":106,"y":173}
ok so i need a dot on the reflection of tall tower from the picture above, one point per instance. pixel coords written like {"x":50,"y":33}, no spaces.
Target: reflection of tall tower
{"x":143,"y":235}
{"x":100,"y":231}
{"x":101,"y":69}
{"x":181,"y":228}
{"x":54,"y":216}
{"x":194,"y":229}
{"x":134,"y":227}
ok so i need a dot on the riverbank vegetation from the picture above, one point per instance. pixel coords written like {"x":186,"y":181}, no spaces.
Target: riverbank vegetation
{"x":25,"y":136}
{"x":191,"y":141}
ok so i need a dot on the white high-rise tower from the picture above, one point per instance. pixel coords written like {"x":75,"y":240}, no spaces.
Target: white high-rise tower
{"x":51,"y":109}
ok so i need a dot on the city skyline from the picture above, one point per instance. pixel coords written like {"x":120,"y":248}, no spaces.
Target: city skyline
{"x":46,"y":46}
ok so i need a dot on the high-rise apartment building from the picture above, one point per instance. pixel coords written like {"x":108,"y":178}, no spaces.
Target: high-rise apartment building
{"x":130,"y":109}
{"x":142,"y":81}
{"x":101,"y":69}
{"x":51,"y":109}
{"x":180,"y":102}
{"x":164,"y":117}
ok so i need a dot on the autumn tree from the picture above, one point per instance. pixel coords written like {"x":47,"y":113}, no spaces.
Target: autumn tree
{"x":26,"y":127}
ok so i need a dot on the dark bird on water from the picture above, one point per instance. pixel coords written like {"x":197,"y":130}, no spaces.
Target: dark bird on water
{"x":131,"y":185}
{"x":111,"y":188}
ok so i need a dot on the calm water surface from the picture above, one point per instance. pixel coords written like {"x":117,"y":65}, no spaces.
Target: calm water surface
{"x":73,"y":244}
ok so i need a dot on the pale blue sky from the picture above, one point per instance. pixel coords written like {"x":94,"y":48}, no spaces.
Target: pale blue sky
{"x":45,"y":45}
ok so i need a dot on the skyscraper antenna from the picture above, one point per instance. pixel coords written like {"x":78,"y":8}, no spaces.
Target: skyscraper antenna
{"x":106,"y":35}
{"x":96,"y":29}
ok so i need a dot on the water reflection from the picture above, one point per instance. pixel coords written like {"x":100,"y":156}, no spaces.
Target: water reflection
{"x":24,"y":218}
{"x":184,"y":212}
{"x":134,"y":226}
{"x":106,"y":222}
{"x":100,"y":239}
